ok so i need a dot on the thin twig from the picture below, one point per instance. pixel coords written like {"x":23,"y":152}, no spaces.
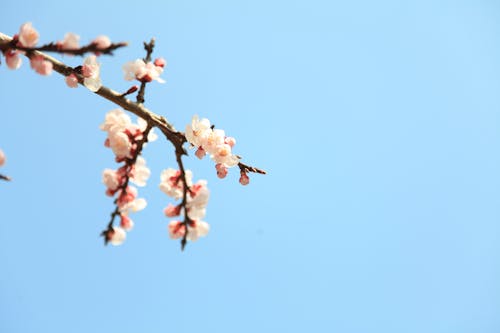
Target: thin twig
{"x":54,"y":47}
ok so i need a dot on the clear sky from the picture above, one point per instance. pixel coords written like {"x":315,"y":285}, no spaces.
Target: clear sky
{"x":377,"y":121}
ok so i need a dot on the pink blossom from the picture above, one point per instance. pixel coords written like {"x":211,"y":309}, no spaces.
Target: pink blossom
{"x":40,"y":65}
{"x":222,"y":154}
{"x":13,"y":59}
{"x":214,"y":139}
{"x":91,"y":73}
{"x":28,"y":36}
{"x":139,"y":70}
{"x":121,"y":145}
{"x":2,"y":158}
{"x":230,"y":141}
{"x":140,"y":172}
{"x":171,"y":210}
{"x":160,"y":62}
{"x":198,"y":131}
{"x":110,"y":179}
{"x":102,"y":42}
{"x":197,"y":229}
{"x":171,"y":183}
{"x":244,"y":180}
{"x":126,"y":223}
{"x":117,"y":236}
{"x":198,"y":194}
{"x":200,"y":153}
{"x":115,"y":120}
{"x":71,"y":81}
{"x":221,"y":170}
{"x":70,"y":42}
{"x":176,"y":229}
{"x":134,"y":206}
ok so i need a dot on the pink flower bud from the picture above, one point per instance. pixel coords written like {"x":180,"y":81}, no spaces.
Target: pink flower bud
{"x":171,"y":210}
{"x":40,"y":65}
{"x":102,"y":42}
{"x":13,"y":59}
{"x":200,"y":153}
{"x":230,"y":141}
{"x":221,"y":170}
{"x":126,"y":223}
{"x":71,"y":81}
{"x":28,"y":36}
{"x":160,"y":62}
{"x":176,"y":229}
{"x":244,"y":180}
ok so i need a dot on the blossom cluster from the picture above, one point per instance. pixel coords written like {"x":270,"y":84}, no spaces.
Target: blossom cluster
{"x":126,"y":140}
{"x":193,"y":206}
{"x":144,"y":72}
{"x":209,"y":140}
{"x":28,"y":37}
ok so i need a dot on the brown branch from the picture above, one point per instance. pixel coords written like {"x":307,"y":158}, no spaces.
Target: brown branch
{"x":247,"y":168}
{"x":55,"y":47}
{"x":3,"y":177}
{"x":153,"y":120}
{"x":149,"y":50}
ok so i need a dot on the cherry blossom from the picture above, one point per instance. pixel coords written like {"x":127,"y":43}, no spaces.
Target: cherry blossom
{"x":91,"y":73}
{"x":139,"y":70}
{"x":13,"y":59}
{"x":28,"y":36}
{"x":171,"y":183}
{"x":102,"y":42}
{"x":160,"y":62}
{"x":70,"y":42}
{"x":126,"y":139}
{"x":121,"y":145}
{"x":244,"y":180}
{"x":116,"y":236}
{"x":110,"y":180}
{"x":115,"y":120}
{"x":214,"y":142}
{"x":171,"y":210}
{"x":197,"y":131}
{"x":200,"y":153}
{"x":71,"y":81}
{"x":126,"y":222}
{"x":140,"y":172}
{"x":197,"y":229}
{"x":176,"y":229}
{"x":221,"y":170}
{"x":40,"y":65}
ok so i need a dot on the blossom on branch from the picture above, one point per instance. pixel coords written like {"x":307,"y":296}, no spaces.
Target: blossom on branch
{"x":91,"y":72}
{"x":71,"y":41}
{"x":40,"y":65}
{"x":208,"y":140}
{"x":28,"y":36}
{"x":193,"y":206}
{"x":13,"y":59}
{"x":126,"y":139}
{"x":139,"y":70}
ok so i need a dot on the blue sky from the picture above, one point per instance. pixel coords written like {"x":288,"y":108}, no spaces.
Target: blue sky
{"x":379,"y":125}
